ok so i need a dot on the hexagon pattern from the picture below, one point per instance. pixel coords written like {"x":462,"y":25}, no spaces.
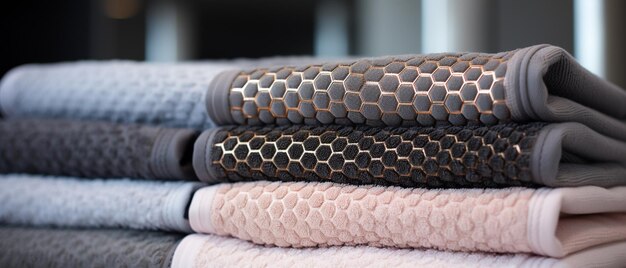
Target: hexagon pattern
{"x":448,"y":156}
{"x":324,"y":214}
{"x":411,"y":90}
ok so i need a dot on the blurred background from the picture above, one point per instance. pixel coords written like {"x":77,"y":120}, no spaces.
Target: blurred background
{"x":161,"y":30}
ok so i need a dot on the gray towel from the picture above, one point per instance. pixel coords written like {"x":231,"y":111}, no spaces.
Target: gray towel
{"x":559,"y":154}
{"x":46,"y":247}
{"x":539,"y":83}
{"x":95,"y":149}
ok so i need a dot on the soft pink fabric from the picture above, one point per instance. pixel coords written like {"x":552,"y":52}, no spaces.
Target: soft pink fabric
{"x":325,"y":214}
{"x":578,"y":232}
{"x":565,"y":220}
{"x":214,"y":251}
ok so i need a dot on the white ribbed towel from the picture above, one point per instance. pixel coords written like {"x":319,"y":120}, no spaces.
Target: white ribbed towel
{"x":213,"y":251}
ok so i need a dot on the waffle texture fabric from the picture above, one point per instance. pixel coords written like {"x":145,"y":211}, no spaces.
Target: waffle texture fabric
{"x":557,"y":154}
{"x":95,"y":149}
{"x":171,"y":95}
{"x":67,"y":202}
{"x":547,"y":221}
{"x":213,"y":251}
{"x":47,"y":247}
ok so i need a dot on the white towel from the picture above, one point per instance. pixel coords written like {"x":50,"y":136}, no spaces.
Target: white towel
{"x":213,"y":251}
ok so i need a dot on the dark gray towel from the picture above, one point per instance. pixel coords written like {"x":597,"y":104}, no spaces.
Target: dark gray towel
{"x":95,"y":149}
{"x":538,"y":83}
{"x":46,"y":247}
{"x":562,"y":154}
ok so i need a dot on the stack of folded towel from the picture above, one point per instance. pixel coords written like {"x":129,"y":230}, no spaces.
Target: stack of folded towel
{"x":444,"y":160}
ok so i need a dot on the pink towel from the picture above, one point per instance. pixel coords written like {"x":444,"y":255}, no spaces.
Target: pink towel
{"x":551,"y":222}
{"x":214,"y":251}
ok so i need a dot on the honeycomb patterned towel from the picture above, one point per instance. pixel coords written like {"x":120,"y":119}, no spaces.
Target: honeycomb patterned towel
{"x":95,"y":149}
{"x":558,"y":154}
{"x":546,"y":221}
{"x":212,"y":251}
{"x":67,"y":202}
{"x":46,"y":247}
{"x":538,"y":83}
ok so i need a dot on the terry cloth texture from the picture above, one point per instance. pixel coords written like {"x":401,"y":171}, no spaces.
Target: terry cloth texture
{"x":538,"y":83}
{"x":95,"y":149}
{"x":67,"y":202}
{"x":117,"y":91}
{"x":558,"y":154}
{"x":550,"y":222}
{"x":45,"y":247}
{"x":213,"y":251}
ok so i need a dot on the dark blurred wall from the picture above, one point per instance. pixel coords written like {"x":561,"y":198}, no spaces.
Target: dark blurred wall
{"x":615,"y":19}
{"x":240,"y":28}
{"x":117,"y":29}
{"x":531,"y":22}
{"x":43,"y":31}
{"x":51,"y":31}
{"x":387,"y":27}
